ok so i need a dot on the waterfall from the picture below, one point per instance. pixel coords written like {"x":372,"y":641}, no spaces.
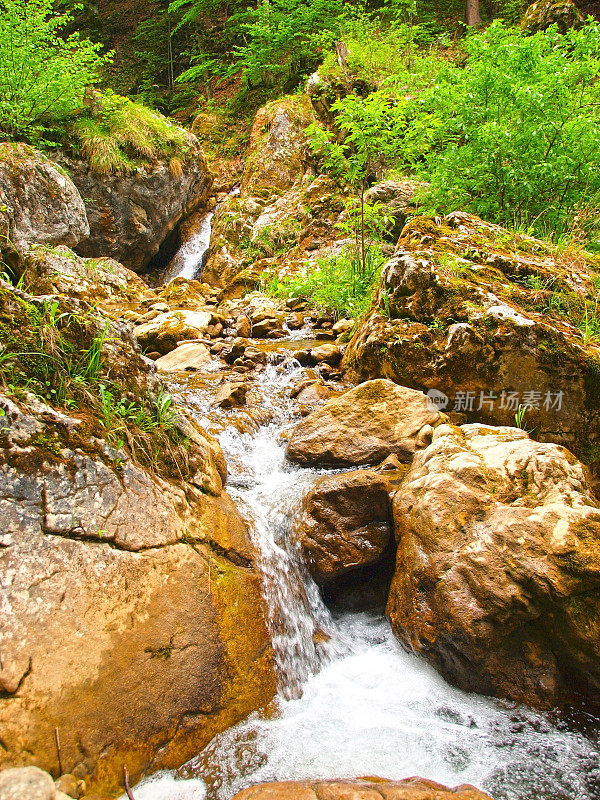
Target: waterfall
{"x":189,"y":259}
{"x":351,"y":702}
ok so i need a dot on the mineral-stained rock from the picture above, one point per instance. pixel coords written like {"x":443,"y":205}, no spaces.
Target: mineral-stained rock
{"x":326,"y":353}
{"x":345,"y":523}
{"x":468,"y":309}
{"x":364,"y":426}
{"x":39,"y":203}
{"x":498,"y":567}
{"x":231,"y":394}
{"x":58,"y":270}
{"x":164,"y":332}
{"x":408,"y":789}
{"x":131,"y":617}
{"x":188,"y":356}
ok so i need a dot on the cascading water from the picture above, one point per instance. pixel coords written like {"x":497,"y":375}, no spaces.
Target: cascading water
{"x":351,"y":701}
{"x":189,"y":259}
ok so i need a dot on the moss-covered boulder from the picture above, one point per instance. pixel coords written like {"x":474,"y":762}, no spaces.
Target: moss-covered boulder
{"x":542,"y":14}
{"x":39,"y":203}
{"x":489,"y":322}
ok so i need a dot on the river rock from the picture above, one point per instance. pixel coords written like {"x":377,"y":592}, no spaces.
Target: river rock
{"x":498,"y":566}
{"x":70,"y":785}
{"x":164,"y":332}
{"x":376,"y":789}
{"x":364,"y":426}
{"x":58,"y":270}
{"x":231,"y":394}
{"x":327,"y":354}
{"x":345,"y":523}
{"x":131,"y":213}
{"x":39,"y":203}
{"x":188,"y":356}
{"x":26,"y":783}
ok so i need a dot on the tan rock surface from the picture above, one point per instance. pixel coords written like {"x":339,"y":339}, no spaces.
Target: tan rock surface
{"x":408,"y":789}
{"x":364,"y":426}
{"x":498,"y":566}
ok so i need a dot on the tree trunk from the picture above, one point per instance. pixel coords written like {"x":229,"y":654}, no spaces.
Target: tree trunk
{"x":472,"y":15}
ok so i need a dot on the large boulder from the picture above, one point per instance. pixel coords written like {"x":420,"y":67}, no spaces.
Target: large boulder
{"x":131,"y":213}
{"x":167,"y":330}
{"x":488,"y":320}
{"x":26,"y":783}
{"x":376,"y":789}
{"x":364,"y":426}
{"x":39,"y":203}
{"x":345,"y":523}
{"x":58,"y":270}
{"x":132,"y":615}
{"x":498,"y":566}
{"x":544,"y":13}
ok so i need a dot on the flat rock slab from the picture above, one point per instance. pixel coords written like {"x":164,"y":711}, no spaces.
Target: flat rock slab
{"x":408,"y":789}
{"x":188,"y":356}
{"x":364,"y":426}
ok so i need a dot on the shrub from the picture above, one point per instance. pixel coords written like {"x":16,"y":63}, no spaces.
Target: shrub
{"x":43,"y":76}
{"x":519,"y":135}
{"x":338,"y":284}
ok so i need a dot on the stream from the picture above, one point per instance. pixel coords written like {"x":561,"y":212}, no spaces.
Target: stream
{"x":351,"y":701}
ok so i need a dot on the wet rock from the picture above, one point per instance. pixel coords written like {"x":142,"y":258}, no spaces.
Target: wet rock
{"x":130,"y":214}
{"x":295,"y":321}
{"x":342,"y":325}
{"x":164,"y":332}
{"x":326,"y":353}
{"x":376,"y":789}
{"x":243,"y":326}
{"x":39,"y":203}
{"x":231,"y":395}
{"x":188,"y":356}
{"x":59,"y":270}
{"x":363,"y":426}
{"x":345,"y":523}
{"x":26,"y":783}
{"x":267,"y":328}
{"x":498,"y":566}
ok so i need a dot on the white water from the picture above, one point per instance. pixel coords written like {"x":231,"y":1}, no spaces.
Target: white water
{"x":188,"y":261}
{"x":360,"y":705}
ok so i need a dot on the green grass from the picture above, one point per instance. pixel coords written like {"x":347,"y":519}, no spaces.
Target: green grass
{"x":115,"y":133}
{"x":337,"y":284}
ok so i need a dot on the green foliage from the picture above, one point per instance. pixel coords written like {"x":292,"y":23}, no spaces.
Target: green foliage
{"x":43,"y":76}
{"x":117,"y":131}
{"x":339,"y":283}
{"x":519,"y":126}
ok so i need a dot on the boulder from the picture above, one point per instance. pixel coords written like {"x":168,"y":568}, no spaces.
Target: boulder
{"x":471,"y":313}
{"x":362,"y":789}
{"x":345,"y":523}
{"x":131,"y":213}
{"x":115,"y":630}
{"x":188,"y":356}
{"x":230,"y":395}
{"x":39,"y":203}
{"x":364,"y":426}
{"x":58,"y":270}
{"x":498,"y":566}
{"x":165,"y":331}
{"x":326,"y":353}
{"x":544,"y":13}
{"x":26,"y":783}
